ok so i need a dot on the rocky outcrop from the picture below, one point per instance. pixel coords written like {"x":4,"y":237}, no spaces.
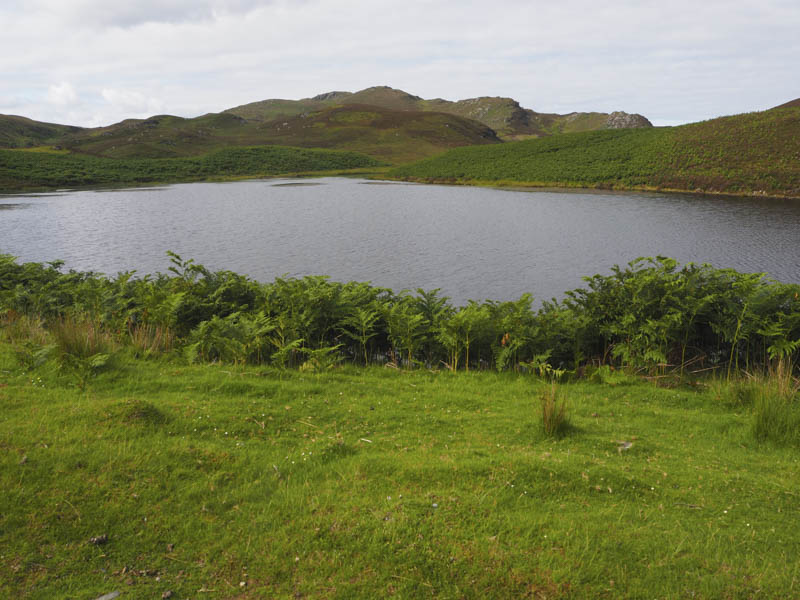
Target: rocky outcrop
{"x":331,"y":96}
{"x":623,"y":120}
{"x":505,"y":115}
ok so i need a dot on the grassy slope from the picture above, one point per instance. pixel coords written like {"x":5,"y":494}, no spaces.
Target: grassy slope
{"x":23,"y":169}
{"x":791,"y":103}
{"x":371,"y":483}
{"x":750,"y":153}
{"x":386,"y":134}
{"x":504,"y":115}
{"x":21,"y":132}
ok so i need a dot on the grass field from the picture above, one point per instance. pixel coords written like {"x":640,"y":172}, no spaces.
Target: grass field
{"x":756,"y":153}
{"x":227,"y":482}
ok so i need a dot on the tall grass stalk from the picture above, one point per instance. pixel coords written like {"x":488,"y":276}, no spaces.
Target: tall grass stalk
{"x":83,"y":347}
{"x":151,"y":340}
{"x":80,"y":337}
{"x":16,"y":328}
{"x":776,"y":413}
{"x":555,"y":414}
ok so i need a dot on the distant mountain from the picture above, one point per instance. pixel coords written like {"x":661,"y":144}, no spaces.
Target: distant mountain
{"x":396,"y":127}
{"x":390,"y":135}
{"x":751,"y":154}
{"x":385,"y":123}
{"x":21,"y":132}
{"x":504,"y":115}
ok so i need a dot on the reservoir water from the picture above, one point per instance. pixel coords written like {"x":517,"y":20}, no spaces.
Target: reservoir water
{"x":473,"y":243}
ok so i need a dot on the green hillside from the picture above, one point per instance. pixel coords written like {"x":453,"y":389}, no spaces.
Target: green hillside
{"x":388,"y":124}
{"x":390,"y":135}
{"x":504,"y":115}
{"x":21,"y":132}
{"x":21,"y":169}
{"x":755,"y":153}
{"x":791,"y":103}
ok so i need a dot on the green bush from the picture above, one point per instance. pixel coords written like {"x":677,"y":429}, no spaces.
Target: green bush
{"x":652,"y":316}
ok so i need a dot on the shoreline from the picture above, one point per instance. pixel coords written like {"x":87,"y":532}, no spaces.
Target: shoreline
{"x":563,"y":187}
{"x":361,"y":171}
{"x":376,"y":174}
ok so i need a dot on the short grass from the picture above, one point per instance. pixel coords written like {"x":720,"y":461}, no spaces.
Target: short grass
{"x":754,"y":153}
{"x":221,"y":482}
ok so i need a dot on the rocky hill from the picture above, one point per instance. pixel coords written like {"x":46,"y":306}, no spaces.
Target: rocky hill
{"x":389,"y":135}
{"x":504,"y":115}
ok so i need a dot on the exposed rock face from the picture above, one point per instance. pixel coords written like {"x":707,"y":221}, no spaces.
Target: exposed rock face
{"x":623,"y":120}
{"x":330,"y":96}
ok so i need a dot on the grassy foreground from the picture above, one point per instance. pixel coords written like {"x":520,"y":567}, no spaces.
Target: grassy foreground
{"x":217,"y":481}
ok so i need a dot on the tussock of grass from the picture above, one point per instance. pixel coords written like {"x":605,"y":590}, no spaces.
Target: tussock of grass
{"x":555,"y":415}
{"x":149,"y":340}
{"x":139,"y":412}
{"x":16,"y":328}
{"x":776,"y":410}
{"x":740,"y":393}
{"x":81,"y":338}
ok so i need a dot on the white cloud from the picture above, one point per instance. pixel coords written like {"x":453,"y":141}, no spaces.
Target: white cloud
{"x":673,"y":62}
{"x":134,"y":104}
{"x":89,"y":13}
{"x":62,"y":94}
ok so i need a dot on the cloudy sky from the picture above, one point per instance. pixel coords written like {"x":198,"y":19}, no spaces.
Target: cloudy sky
{"x":95,"y":62}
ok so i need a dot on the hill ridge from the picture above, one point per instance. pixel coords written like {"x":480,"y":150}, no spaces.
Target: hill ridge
{"x":503,"y":114}
{"x":389,"y":135}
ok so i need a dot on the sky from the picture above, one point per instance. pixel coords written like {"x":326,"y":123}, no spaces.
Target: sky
{"x":96,"y":62}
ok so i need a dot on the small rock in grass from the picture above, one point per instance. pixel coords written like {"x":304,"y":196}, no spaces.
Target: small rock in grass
{"x":99,"y":540}
{"x":623,"y":445}
{"x":167,"y":594}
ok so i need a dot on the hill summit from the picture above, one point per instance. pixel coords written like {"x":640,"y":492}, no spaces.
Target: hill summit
{"x":505,"y":115}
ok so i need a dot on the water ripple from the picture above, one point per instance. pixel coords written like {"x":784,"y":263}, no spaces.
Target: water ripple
{"x":472,"y":242}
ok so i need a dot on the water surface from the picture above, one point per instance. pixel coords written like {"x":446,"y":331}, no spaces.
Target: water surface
{"x":473,"y":243}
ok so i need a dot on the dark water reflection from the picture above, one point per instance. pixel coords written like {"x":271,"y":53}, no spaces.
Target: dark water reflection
{"x":471,"y":242}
